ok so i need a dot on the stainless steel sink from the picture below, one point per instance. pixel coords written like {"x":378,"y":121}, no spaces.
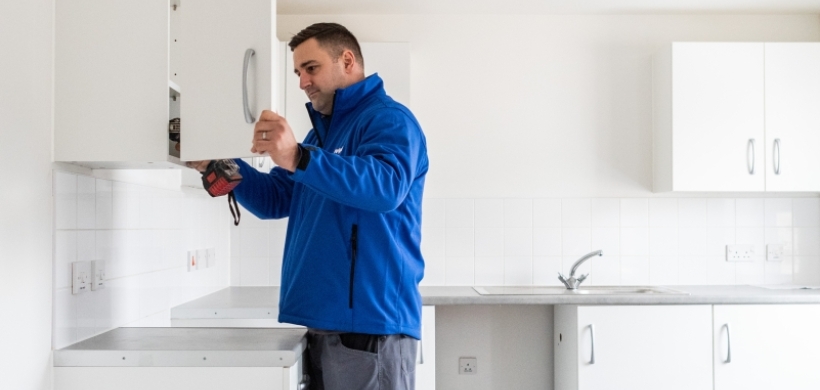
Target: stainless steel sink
{"x":590,"y":290}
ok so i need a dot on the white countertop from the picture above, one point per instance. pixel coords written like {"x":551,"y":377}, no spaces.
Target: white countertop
{"x":186,"y":347}
{"x":263,"y":302}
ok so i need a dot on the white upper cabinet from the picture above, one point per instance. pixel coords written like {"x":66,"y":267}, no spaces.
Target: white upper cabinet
{"x":111,"y":75}
{"x":391,"y":60}
{"x":792,"y":116}
{"x":737,"y":117}
{"x":709,"y":117}
{"x":219,"y":75}
{"x":123,"y":70}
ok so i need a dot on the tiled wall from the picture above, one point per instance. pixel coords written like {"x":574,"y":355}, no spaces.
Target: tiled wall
{"x":661,"y":241}
{"x":143,"y":235}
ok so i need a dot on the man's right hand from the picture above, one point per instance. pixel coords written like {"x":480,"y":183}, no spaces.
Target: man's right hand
{"x":200,"y":166}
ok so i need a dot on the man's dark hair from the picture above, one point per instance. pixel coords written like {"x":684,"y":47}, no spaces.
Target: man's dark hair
{"x":332,"y":36}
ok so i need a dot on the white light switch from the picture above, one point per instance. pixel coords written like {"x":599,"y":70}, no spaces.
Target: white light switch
{"x":98,"y":272}
{"x":201,"y":259}
{"x":191,"y":260}
{"x":80,"y":276}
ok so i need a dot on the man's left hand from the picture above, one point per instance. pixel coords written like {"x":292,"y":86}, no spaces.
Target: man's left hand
{"x":273,"y":135}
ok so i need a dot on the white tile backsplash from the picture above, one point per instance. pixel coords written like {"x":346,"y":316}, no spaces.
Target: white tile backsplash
{"x":666,"y":241}
{"x":142,"y":234}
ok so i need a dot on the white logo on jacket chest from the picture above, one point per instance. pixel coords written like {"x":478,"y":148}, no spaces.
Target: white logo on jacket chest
{"x":337,"y":151}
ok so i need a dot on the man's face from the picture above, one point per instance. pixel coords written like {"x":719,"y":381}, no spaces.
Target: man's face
{"x":319,"y":75}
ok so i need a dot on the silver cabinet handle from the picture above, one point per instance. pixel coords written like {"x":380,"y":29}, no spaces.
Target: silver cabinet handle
{"x":261,"y":162}
{"x":305,"y":383}
{"x":591,"y":344}
{"x":776,"y":160}
{"x":248,"y":115}
{"x":728,"y":344}
{"x":750,"y":164}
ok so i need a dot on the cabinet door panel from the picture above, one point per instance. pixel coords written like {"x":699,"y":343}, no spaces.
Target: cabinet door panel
{"x":793,"y":116}
{"x":216,"y":35}
{"x":718,"y":106}
{"x":645,"y":347}
{"x":772,"y":347}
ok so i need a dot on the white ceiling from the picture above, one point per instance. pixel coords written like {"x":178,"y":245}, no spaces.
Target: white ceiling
{"x":334,"y":7}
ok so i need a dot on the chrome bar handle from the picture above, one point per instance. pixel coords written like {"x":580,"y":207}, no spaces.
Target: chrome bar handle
{"x":248,"y":115}
{"x":776,"y":160}
{"x":728,"y":344}
{"x":750,"y":165}
{"x":591,"y":344}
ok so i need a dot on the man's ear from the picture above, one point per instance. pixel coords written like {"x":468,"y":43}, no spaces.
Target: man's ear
{"x":349,"y":60}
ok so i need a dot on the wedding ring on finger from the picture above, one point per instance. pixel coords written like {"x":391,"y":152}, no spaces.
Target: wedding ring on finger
{"x":264,"y":135}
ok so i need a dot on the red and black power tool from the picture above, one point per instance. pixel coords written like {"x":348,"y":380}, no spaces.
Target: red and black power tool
{"x":220,"y":178}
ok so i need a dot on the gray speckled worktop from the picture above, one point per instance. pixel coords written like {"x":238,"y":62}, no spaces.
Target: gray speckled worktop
{"x":263,"y":302}
{"x":186,"y":347}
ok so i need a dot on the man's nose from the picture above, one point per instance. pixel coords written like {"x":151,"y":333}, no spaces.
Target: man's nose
{"x":304,"y":81}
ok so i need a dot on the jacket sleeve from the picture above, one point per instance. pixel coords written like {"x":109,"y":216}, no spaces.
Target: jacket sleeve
{"x":267,"y":196}
{"x":378,"y":175}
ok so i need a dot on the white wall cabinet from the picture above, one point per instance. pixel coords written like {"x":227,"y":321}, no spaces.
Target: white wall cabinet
{"x":766,"y":346}
{"x":633,"y":347}
{"x":119,"y":66}
{"x":792,"y":116}
{"x":391,"y":60}
{"x":733,"y":116}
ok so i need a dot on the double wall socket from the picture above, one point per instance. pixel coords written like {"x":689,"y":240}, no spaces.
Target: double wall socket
{"x":739,"y":252}
{"x":200,"y":259}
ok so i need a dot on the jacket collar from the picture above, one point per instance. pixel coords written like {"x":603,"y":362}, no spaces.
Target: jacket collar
{"x":348,"y":98}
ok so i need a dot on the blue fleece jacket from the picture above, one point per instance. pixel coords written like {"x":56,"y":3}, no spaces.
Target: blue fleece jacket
{"x":352,"y":261}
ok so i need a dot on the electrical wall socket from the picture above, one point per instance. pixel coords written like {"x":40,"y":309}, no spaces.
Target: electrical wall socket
{"x":80,"y":276}
{"x":201,"y":259}
{"x":211,"y":254}
{"x":98,"y":275}
{"x":467,"y":366}
{"x":774,"y":252}
{"x":739,"y":252}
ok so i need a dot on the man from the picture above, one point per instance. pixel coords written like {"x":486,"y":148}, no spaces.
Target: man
{"x":352,"y":191}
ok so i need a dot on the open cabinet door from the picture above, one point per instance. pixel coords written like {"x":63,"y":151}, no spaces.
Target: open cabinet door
{"x":217,"y":34}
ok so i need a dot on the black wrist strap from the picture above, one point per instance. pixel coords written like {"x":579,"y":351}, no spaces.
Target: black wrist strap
{"x":236,"y":215}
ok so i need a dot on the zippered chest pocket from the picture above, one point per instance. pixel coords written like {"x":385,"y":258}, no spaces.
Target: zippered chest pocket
{"x":354,"y":247}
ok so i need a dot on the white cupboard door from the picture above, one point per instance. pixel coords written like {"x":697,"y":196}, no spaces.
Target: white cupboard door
{"x":391,"y":60}
{"x":426,"y":360}
{"x":644,"y":347}
{"x":111,"y":80}
{"x":216,"y":36}
{"x":793,"y":116}
{"x":766,"y":347}
{"x":718,"y":116}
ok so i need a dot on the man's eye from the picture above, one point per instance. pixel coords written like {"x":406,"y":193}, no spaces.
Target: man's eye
{"x":310,"y":69}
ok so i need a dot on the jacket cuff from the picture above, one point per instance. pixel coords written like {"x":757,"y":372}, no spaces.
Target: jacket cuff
{"x":304,"y":157}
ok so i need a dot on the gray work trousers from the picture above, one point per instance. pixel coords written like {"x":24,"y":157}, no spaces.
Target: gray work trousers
{"x":386,"y":363}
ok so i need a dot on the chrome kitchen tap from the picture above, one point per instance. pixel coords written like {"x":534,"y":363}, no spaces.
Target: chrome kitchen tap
{"x":572,"y":283}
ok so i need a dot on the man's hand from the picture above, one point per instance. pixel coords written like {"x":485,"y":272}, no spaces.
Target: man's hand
{"x":273,"y":135}
{"x":200,"y":166}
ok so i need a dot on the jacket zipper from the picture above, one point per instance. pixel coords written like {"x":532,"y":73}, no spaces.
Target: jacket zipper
{"x":353,"y":249}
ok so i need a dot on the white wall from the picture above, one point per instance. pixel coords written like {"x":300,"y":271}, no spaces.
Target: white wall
{"x":25,"y":199}
{"x":142,"y":233}
{"x":539,"y":135}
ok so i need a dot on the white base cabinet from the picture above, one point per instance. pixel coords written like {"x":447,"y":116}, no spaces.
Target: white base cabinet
{"x":177,"y":378}
{"x":766,"y":347}
{"x":633,"y":347}
{"x":426,"y":361}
